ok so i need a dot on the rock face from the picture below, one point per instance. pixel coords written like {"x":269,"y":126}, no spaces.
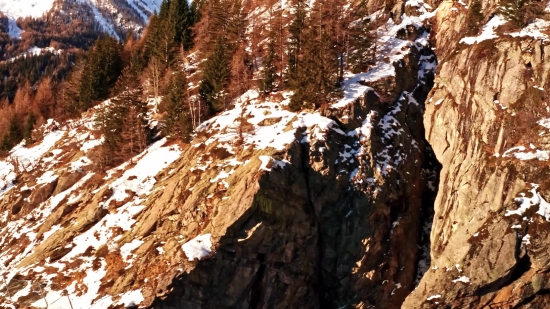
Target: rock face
{"x":265,"y":208}
{"x":338,"y":224}
{"x":416,"y":190}
{"x":485,"y":119}
{"x":308,"y":235}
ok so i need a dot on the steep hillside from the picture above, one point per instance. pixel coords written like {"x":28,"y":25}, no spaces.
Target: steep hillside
{"x":487,"y":121}
{"x":264,"y":208}
{"x":114,"y":17}
{"x":421,"y":181}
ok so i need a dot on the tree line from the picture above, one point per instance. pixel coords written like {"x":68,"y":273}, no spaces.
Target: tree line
{"x":306,"y":52}
{"x":301,"y":48}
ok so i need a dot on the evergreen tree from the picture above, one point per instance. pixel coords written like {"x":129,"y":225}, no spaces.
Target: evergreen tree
{"x":474,"y":19}
{"x":123,"y":121}
{"x":31,"y":121}
{"x":315,"y":76}
{"x":166,"y":35}
{"x":14,"y":135}
{"x":297,"y":32}
{"x":171,"y":28}
{"x":520,"y":12}
{"x":268,"y":82}
{"x":216,"y":76}
{"x":182,"y":19}
{"x":161,"y":34}
{"x":100,"y":72}
{"x":151,"y":37}
{"x":177,"y":120}
{"x":360,"y":39}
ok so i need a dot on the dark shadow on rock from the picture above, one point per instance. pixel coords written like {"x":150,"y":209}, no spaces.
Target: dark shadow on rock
{"x":313,"y":238}
{"x":310,"y":241}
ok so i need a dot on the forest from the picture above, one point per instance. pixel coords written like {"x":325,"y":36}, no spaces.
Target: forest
{"x":301,"y":49}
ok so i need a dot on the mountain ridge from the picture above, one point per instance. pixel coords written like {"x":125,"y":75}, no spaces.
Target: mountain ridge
{"x":109,"y":14}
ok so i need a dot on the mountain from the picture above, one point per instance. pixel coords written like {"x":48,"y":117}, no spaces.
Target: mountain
{"x":114,"y":17}
{"x":366,"y":154}
{"x":43,"y":39}
{"x":265,"y":207}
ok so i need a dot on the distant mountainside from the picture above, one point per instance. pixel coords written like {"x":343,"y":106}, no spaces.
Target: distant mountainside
{"x":114,"y":17}
{"x":42,"y":38}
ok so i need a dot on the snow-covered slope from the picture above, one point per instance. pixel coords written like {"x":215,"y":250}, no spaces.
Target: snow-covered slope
{"x":36,"y":8}
{"x":112,"y":16}
{"x":23,"y":8}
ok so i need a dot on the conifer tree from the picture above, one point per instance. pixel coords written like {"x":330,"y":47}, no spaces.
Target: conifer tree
{"x":474,"y":19}
{"x":360,"y":41}
{"x":297,"y":32}
{"x":152,"y":37}
{"x":216,"y":75}
{"x":182,"y":19}
{"x":13,"y":136}
{"x":31,"y":121}
{"x":161,"y":34}
{"x":100,"y":72}
{"x":315,"y":75}
{"x":123,"y":121}
{"x":177,"y":120}
{"x":269,"y":73}
{"x":520,"y":12}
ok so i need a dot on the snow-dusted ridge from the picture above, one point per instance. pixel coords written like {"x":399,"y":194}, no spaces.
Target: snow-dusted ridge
{"x":24,"y":8}
{"x":106,"y":14}
{"x":536,"y":29}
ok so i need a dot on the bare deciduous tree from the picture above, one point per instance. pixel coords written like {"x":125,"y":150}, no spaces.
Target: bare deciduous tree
{"x":153,"y":76}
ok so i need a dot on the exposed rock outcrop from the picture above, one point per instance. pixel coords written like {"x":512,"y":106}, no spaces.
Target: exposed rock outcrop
{"x":486,"y":121}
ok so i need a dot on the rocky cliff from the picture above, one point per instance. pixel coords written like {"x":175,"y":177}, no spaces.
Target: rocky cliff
{"x":486,"y":119}
{"x":417,"y":189}
{"x":265,"y":208}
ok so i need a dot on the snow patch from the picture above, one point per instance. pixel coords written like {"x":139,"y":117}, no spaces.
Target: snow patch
{"x":488,"y":32}
{"x":126,"y":250}
{"x":519,"y":153}
{"x":526,"y":203}
{"x":131,"y":298}
{"x":198,"y":248}
{"x":534,"y":30}
{"x":24,"y":8}
{"x":462,"y":279}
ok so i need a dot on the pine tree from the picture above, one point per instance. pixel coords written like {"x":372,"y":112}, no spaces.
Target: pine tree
{"x":269,"y":73}
{"x":13,"y":136}
{"x":123,"y":121}
{"x":100,"y":72}
{"x":315,"y":75}
{"x":297,"y":32}
{"x":474,"y":19}
{"x":177,"y":120}
{"x":360,"y":40}
{"x":151,"y":37}
{"x":31,"y":121}
{"x":161,"y":34}
{"x":520,"y":12}
{"x":216,"y":76}
{"x":182,"y":18}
